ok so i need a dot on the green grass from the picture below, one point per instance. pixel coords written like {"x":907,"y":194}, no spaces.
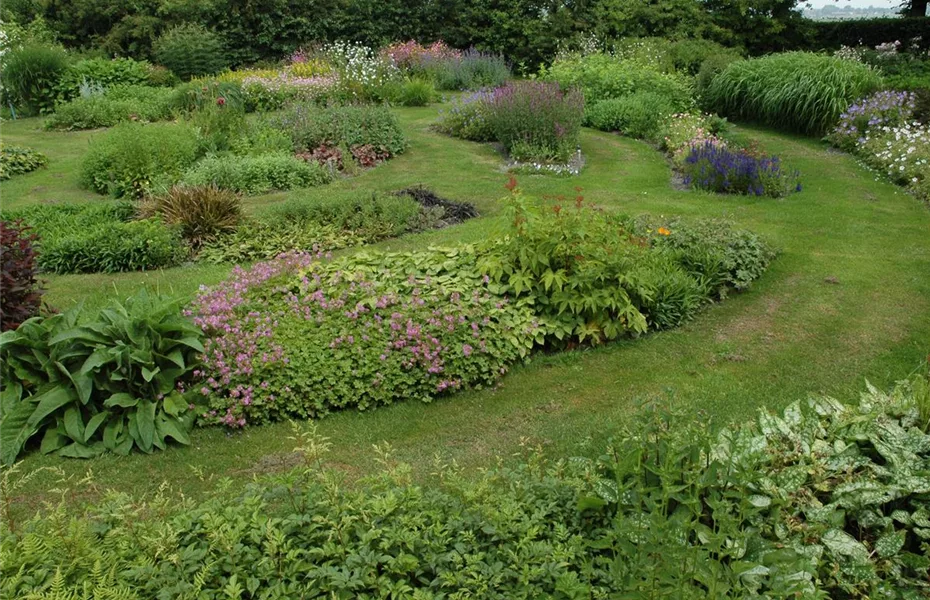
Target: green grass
{"x":847,"y":299}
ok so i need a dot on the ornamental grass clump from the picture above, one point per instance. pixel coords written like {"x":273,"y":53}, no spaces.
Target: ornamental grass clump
{"x":716,"y":168}
{"x":794,"y":91}
{"x":536,"y":120}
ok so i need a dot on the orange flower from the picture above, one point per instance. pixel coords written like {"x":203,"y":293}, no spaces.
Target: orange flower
{"x":511,"y":184}
{"x":663,"y":231}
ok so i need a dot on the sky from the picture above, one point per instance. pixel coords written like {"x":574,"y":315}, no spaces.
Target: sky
{"x":856,"y":3}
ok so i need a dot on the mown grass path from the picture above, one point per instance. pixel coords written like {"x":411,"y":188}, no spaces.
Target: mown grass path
{"x":848,"y":299}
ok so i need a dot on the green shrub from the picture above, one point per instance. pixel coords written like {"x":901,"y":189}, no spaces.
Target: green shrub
{"x":536,"y":120}
{"x":201,"y":213}
{"x":16,"y":160}
{"x":101,"y":73}
{"x":256,"y":174}
{"x":415,"y":92}
{"x":31,"y":75}
{"x":197,"y":95}
{"x":107,"y":383}
{"x":160,"y":76}
{"x":132,"y":158}
{"x":265,"y":239}
{"x":795,"y":91}
{"x":689,"y":56}
{"x":190,"y":51}
{"x":603,"y":77}
{"x":820,"y":501}
{"x":100,"y":239}
{"x":117,"y":105}
{"x":371,"y":215}
{"x":310,"y":127}
{"x":711,"y":67}
{"x":218,"y":125}
{"x":639,"y":115}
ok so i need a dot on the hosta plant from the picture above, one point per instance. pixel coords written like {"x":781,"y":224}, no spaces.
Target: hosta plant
{"x":110,"y":382}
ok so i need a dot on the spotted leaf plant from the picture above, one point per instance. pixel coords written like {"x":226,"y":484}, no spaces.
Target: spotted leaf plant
{"x":110,"y":382}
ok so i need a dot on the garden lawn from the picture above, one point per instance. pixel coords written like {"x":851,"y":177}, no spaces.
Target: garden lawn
{"x":847,"y":299}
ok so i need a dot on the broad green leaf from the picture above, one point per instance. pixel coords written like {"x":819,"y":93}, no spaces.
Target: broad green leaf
{"x":148,"y":374}
{"x":15,"y":430}
{"x":170,"y":427}
{"x":74,"y":424}
{"x":840,"y":542}
{"x":76,"y":450}
{"x":82,"y":334}
{"x":112,"y":432}
{"x":94,"y":423}
{"x":52,"y":440}
{"x":174,"y":404}
{"x":49,"y":402}
{"x":121,"y":399}
{"x":145,"y":422}
{"x":891,"y":543}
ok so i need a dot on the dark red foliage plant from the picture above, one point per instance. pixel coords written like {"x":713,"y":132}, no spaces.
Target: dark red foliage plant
{"x":20,"y":292}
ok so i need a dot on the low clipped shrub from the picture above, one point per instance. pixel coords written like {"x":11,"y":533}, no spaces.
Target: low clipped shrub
{"x":264,"y":239}
{"x":536,"y":120}
{"x":101,"y":74}
{"x":17,"y":160}
{"x":794,"y":91}
{"x":256,"y":174}
{"x":353,"y":126}
{"x":22,"y":294}
{"x":117,"y":105}
{"x":104,"y":383}
{"x":189,"y":51}
{"x":468,"y":117}
{"x":31,"y":74}
{"x":716,"y":168}
{"x":604,"y":77}
{"x":100,"y":238}
{"x":201,"y":213}
{"x":815,"y":501}
{"x":406,"y":326}
{"x":640,"y":115}
{"x":132,"y":158}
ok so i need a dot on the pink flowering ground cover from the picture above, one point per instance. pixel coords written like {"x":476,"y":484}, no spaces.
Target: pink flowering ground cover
{"x":300,"y":336}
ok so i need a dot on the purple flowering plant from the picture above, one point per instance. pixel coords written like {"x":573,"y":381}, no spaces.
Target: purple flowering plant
{"x":888,"y":108}
{"x":300,"y":336}
{"x":729,"y":170}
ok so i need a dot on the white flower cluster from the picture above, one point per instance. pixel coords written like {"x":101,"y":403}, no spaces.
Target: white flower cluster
{"x":361,"y":65}
{"x":903,"y":152}
{"x":848,"y":53}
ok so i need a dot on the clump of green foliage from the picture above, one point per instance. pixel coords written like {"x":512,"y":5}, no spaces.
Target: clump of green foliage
{"x":257,"y":174}
{"x":100,"y":238}
{"x":31,"y":74}
{"x":16,"y":160}
{"x":190,"y":50}
{"x":640,"y":115}
{"x":101,"y":74}
{"x":795,"y":91}
{"x":352,"y":126}
{"x":116,"y":105}
{"x":133,"y":158}
{"x":823,"y":500}
{"x":104,"y":383}
{"x":603,"y":77}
